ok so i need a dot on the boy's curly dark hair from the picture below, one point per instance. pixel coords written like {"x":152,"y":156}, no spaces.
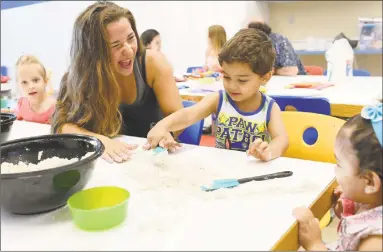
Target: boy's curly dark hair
{"x":250,"y":46}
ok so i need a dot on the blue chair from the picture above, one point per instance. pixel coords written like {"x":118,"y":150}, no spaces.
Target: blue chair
{"x":193,"y":133}
{"x":304,"y":104}
{"x":356,"y":72}
{"x":4,"y":71}
{"x":191,"y":69}
{"x":314,"y":105}
{"x":360,"y":72}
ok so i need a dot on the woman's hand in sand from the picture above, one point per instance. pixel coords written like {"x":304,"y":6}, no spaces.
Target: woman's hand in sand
{"x":115,"y":150}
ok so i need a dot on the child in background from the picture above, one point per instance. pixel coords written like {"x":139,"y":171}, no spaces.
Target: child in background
{"x":358,"y":150}
{"x":35,"y":105}
{"x":247,"y":119}
{"x":151,"y":39}
{"x":216,"y":40}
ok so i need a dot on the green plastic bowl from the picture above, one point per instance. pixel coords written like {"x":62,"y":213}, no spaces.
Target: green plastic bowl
{"x":99,"y":208}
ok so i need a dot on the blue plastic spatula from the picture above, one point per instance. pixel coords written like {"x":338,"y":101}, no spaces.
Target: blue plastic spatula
{"x":230,"y":183}
{"x":159,"y":150}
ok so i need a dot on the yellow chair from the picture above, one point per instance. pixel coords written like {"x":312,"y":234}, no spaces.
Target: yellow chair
{"x":322,"y":150}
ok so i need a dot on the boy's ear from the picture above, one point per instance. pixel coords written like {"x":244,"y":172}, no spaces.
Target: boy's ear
{"x":266,"y":77}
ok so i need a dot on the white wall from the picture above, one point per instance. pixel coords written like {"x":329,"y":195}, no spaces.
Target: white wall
{"x":257,"y":10}
{"x":45,"y":29}
{"x":325,"y":20}
{"x":321,"y":19}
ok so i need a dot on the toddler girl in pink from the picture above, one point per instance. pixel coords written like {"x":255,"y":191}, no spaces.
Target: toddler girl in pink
{"x":35,"y":105}
{"x":359,"y":172}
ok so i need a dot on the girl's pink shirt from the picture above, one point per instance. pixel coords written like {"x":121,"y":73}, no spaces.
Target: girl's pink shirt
{"x":25,"y":112}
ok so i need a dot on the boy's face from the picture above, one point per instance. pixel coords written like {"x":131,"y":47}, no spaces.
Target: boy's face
{"x":240,"y":82}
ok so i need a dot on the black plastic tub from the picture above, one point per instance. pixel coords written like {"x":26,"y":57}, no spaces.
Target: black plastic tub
{"x":45,"y":190}
{"x":6,"y":125}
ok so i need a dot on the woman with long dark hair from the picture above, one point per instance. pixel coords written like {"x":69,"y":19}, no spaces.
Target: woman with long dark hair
{"x":113,"y":86}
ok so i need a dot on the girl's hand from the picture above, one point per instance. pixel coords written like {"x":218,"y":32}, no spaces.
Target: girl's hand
{"x":116,"y":151}
{"x":337,"y":201}
{"x":260,"y":149}
{"x":310,"y":236}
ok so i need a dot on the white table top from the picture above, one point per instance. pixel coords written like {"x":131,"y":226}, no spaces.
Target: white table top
{"x":358,"y":91}
{"x":167,"y":210}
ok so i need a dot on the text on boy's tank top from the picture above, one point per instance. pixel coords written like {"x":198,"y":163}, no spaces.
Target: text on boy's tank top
{"x":145,"y":110}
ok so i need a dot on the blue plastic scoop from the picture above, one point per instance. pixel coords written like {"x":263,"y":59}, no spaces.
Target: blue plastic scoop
{"x":230,"y":183}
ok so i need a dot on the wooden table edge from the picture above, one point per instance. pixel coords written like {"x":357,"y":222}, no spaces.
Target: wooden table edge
{"x":289,"y":241}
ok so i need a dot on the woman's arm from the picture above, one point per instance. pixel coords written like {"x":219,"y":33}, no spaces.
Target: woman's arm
{"x":71,"y":128}
{"x":160,"y":78}
{"x":287,"y":71}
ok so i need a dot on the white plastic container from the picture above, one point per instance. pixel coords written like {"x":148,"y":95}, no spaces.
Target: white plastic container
{"x":340,"y":58}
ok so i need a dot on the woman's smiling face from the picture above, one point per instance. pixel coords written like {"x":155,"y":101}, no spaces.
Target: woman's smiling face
{"x":123,"y":45}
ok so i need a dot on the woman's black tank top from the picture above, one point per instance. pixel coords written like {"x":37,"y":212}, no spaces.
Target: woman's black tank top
{"x":144,"y":112}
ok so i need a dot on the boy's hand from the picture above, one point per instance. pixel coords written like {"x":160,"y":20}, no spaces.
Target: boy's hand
{"x":159,"y":136}
{"x":169,"y":143}
{"x":310,"y":236}
{"x":260,"y":149}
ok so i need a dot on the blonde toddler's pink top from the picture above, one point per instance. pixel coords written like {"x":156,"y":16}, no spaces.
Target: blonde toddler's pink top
{"x":355,"y":228}
{"x":25,"y":112}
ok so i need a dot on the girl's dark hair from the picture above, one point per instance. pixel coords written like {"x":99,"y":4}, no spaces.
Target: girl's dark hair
{"x":148,"y":36}
{"x":365,"y":144}
{"x":260,"y":26}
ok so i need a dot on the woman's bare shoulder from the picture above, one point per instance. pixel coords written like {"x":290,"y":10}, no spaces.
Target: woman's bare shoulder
{"x":156,"y":63}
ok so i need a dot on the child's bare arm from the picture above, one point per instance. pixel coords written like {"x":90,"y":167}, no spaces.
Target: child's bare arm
{"x":279,"y":143}
{"x":280,"y":140}
{"x":183,"y":118}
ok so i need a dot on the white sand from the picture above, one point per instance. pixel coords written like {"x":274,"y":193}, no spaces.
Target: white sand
{"x":49,"y":163}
